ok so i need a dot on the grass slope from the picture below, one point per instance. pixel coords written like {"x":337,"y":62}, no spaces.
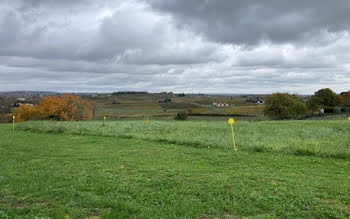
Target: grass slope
{"x":61,"y":175}
{"x":329,"y":138}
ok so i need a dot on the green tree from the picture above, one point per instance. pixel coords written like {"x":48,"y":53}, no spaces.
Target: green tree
{"x":328,"y":97}
{"x":314,"y":104}
{"x":284,"y":106}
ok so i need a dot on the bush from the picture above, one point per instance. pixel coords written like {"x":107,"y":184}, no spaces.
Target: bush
{"x":337,"y":109}
{"x":181,"y":116}
{"x":328,"y":110}
{"x":332,"y":109}
{"x":284,"y":106}
{"x":345,"y":109}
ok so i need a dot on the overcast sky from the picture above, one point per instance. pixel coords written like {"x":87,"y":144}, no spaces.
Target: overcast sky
{"x":207,"y":46}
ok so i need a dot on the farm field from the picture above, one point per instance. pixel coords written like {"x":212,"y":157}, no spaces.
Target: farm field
{"x":60,"y":175}
{"x":322,"y":138}
{"x":171,"y":109}
{"x":153,"y":105}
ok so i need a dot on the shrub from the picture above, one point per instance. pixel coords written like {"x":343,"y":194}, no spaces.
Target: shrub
{"x":336,"y":109}
{"x":345,"y":109}
{"x":284,"y":106}
{"x":328,"y":109}
{"x":181,"y":116}
{"x":332,"y":109}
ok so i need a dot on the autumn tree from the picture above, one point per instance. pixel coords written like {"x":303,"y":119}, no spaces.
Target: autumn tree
{"x":66,"y":108}
{"x":26,"y":112}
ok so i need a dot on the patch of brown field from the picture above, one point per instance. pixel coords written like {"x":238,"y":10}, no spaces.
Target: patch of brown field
{"x":151,"y":114}
{"x":247,"y":110}
{"x":139,"y":105}
{"x":179,"y":105}
{"x":242,"y":110}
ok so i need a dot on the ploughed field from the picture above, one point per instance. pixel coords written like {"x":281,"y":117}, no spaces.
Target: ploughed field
{"x":161,"y":169}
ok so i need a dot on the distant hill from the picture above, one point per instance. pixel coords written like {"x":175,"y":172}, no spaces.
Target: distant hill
{"x":26,"y":93}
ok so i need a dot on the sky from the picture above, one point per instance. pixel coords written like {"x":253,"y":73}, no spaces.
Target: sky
{"x":191,"y":46}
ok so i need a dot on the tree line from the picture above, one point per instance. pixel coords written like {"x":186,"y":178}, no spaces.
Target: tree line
{"x":277,"y":106}
{"x":291,"y":106}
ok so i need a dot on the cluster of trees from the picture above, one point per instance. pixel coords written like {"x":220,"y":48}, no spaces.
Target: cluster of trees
{"x":65,"y":108}
{"x":287,"y":106}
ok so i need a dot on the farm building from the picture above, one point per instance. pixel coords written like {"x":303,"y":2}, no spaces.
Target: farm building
{"x":258,"y":101}
{"x":21,"y":99}
{"x":23,"y":104}
{"x":221,"y":104}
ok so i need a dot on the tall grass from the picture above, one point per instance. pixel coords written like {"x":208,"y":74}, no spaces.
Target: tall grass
{"x":329,"y":138}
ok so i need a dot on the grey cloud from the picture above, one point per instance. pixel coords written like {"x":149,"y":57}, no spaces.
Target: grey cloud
{"x":182,"y":46}
{"x":250,"y":22}
{"x":133,"y":35}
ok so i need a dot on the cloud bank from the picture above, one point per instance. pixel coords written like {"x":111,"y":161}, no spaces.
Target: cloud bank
{"x":204,"y":46}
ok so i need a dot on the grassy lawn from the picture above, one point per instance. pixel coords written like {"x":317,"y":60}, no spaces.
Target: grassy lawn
{"x":322,"y":138}
{"x":78,"y":176}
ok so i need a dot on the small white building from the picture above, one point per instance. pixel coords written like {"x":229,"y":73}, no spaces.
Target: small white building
{"x":222,"y":105}
{"x":24,"y":104}
{"x":21,"y":99}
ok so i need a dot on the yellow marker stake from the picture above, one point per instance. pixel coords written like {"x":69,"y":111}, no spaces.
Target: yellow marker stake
{"x":13,"y":122}
{"x":231,"y":121}
{"x":104,"y":120}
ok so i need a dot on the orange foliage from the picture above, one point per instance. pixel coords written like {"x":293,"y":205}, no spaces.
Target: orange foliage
{"x":24,"y":113}
{"x":66,"y":108}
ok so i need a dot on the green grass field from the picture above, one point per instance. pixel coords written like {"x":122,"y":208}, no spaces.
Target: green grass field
{"x":78,"y":176}
{"x":328,"y":138}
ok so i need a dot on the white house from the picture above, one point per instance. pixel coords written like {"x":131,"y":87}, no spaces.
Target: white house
{"x":222,"y":105}
{"x":21,"y":99}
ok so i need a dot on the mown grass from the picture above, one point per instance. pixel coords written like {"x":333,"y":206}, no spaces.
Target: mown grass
{"x":329,"y":138}
{"x":60,"y":175}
